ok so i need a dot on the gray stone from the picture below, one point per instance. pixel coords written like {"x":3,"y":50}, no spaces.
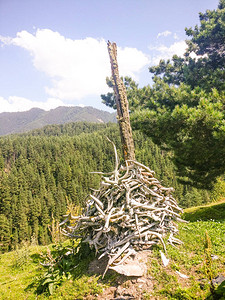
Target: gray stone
{"x":134,"y":267}
{"x":218,"y":280}
{"x":130,"y":269}
{"x":140,"y":280}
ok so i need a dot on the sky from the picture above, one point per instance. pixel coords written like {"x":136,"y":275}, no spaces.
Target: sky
{"x":54,"y":52}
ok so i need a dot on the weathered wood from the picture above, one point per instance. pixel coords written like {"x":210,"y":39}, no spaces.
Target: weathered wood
{"x":129,"y":214}
{"x":122,"y":106}
{"x":131,"y":210}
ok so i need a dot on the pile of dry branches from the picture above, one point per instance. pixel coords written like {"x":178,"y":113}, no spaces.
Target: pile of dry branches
{"x":130,"y":212}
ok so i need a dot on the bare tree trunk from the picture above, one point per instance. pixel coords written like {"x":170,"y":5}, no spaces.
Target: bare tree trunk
{"x":122,"y":106}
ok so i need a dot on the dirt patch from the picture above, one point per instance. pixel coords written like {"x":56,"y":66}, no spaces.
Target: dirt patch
{"x":97,"y":266}
{"x":134,"y":288}
{"x":124,"y":287}
{"x":127,"y":287}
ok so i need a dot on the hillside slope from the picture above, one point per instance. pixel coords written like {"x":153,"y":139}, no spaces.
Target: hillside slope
{"x":40,"y":172}
{"x":18,"y":122}
{"x":20,"y":271}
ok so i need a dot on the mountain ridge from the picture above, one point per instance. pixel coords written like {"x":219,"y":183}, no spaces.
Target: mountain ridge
{"x":35,"y":118}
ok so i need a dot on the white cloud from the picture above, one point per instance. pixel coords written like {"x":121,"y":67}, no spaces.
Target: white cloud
{"x":14,"y":103}
{"x":166,"y":52}
{"x":77,"y":68}
{"x":164,"y":33}
{"x":175,"y":36}
{"x":131,"y":61}
{"x":5,"y":40}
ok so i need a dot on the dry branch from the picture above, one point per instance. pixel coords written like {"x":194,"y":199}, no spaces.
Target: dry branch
{"x":130,"y":212}
{"x":122,"y":105}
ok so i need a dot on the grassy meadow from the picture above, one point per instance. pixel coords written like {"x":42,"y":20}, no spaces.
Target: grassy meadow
{"x":200,"y":259}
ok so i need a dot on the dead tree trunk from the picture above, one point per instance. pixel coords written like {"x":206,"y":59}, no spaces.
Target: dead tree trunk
{"x":122,"y":106}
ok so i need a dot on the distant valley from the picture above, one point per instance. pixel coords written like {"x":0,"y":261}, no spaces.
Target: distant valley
{"x":19,"y":122}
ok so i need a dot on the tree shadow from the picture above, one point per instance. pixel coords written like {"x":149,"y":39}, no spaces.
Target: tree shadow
{"x":218,"y":293}
{"x":36,"y":258}
{"x":214,"y":212}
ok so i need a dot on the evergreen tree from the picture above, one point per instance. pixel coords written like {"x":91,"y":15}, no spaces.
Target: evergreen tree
{"x":4,"y":233}
{"x":184,"y":110}
{"x":41,"y":172}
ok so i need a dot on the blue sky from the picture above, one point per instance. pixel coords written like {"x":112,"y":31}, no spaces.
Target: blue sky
{"x":53,"y":52}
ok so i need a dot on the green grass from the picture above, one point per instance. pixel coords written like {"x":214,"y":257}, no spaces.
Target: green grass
{"x":214,"y":212}
{"x":203,"y":236}
{"x":15,"y":276}
{"x":21,"y":274}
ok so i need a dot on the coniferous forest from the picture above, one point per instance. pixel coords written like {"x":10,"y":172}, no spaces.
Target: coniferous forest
{"x":47,"y":174}
{"x":46,"y":169}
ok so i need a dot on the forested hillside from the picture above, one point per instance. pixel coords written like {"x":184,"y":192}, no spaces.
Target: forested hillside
{"x":42,"y":171}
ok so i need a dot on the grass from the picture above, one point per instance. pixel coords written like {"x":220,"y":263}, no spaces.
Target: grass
{"x":21,"y":272}
{"x":16,"y":276}
{"x":203,"y":236}
{"x":193,"y":259}
{"x":214,"y":211}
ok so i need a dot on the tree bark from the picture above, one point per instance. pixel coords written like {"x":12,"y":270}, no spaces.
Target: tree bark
{"x":122,"y":106}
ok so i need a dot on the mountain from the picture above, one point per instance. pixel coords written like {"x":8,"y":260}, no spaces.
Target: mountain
{"x":18,"y":122}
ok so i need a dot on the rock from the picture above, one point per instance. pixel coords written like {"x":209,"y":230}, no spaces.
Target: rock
{"x":140,"y":280}
{"x":135,"y":267}
{"x":130,"y":269}
{"x":218,"y":280}
{"x":119,"y":291}
{"x":214,"y":257}
{"x":125,"y":293}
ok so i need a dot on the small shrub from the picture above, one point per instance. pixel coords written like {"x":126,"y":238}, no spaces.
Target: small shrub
{"x":21,"y":257}
{"x":63,"y":262}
